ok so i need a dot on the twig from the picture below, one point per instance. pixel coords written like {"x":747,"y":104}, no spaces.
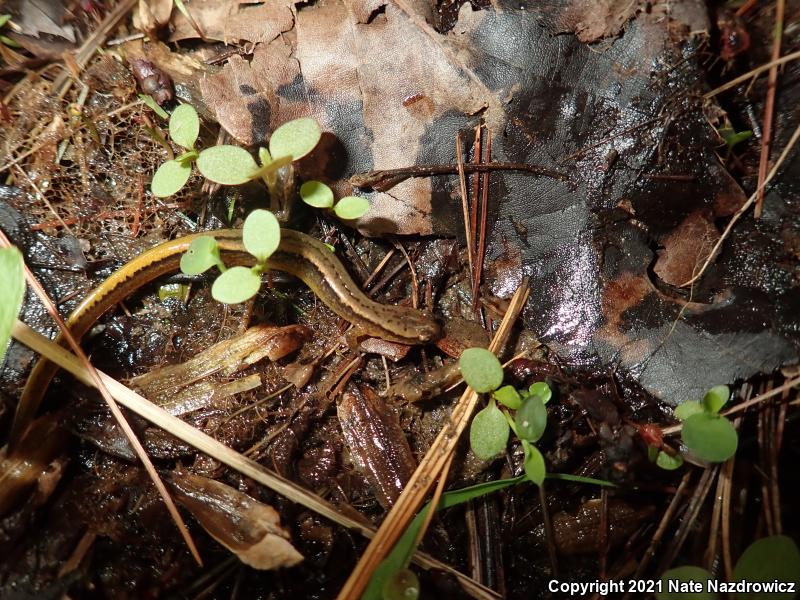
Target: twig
{"x":428,"y":471}
{"x":215,"y":449}
{"x":769,"y":107}
{"x":385,"y":179}
{"x":744,"y":208}
{"x":740,"y":407}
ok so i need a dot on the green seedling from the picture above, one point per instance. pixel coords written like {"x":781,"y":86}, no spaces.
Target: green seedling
{"x":705,"y":432}
{"x":491,"y":427}
{"x":319,"y":195}
{"x":11,"y":293}
{"x":732,"y":137}
{"x":768,"y":560}
{"x":184,"y":127}
{"x":226,"y":164}
{"x":261,"y":235}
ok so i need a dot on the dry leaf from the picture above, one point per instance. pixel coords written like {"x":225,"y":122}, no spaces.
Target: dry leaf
{"x":233,"y":21}
{"x":248,"y":528}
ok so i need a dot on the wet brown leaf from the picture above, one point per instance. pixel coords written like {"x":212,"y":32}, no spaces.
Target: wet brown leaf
{"x":248,"y":528}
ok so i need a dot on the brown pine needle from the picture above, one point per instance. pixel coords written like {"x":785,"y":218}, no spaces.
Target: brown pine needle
{"x":769,"y":107}
{"x":112,"y":405}
{"x":750,"y":74}
{"x":464,"y":201}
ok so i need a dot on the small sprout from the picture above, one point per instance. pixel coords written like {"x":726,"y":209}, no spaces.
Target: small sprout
{"x":533,"y":463}
{"x":153,"y":105}
{"x":480,"y":369}
{"x":202,"y":254}
{"x":733,"y":137}
{"x":508,"y":396}
{"x":686,"y":579}
{"x":237,"y":284}
{"x":716,"y":398}
{"x":351,"y":207}
{"x":11,"y":293}
{"x":316,"y":194}
{"x":687,"y":409}
{"x":4,"y":39}
{"x":667,"y":462}
{"x":541,"y":389}
{"x":295,"y":138}
{"x":170,"y":178}
{"x":488,"y":434}
{"x":402,"y":585}
{"x":184,"y":126}
{"x":531,"y":419}
{"x":261,"y":237}
{"x":264,"y":157}
{"x":227,"y":165}
{"x":705,"y":432}
{"x":710,"y":437}
{"x":261,"y":234}
{"x":172,"y":290}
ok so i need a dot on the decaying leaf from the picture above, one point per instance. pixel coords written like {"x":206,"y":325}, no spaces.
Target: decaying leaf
{"x":248,"y":528}
{"x":233,"y":21}
{"x":153,"y":14}
{"x":42,"y":16}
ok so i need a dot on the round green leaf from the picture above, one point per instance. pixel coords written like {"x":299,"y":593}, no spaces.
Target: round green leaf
{"x":11,"y":293}
{"x":508,"y":396}
{"x":170,"y":178}
{"x":685,"y":583}
{"x":261,"y":234}
{"x":316,"y":194}
{"x":295,"y":138}
{"x":710,"y":437}
{"x":351,"y":207}
{"x":228,"y":165}
{"x":202,"y":254}
{"x":488,"y":433}
{"x":184,"y":126}
{"x":687,"y":409}
{"x":667,"y":462}
{"x":531,"y":419}
{"x":402,"y":585}
{"x":533,"y":463}
{"x":237,"y":284}
{"x":541,"y":389}
{"x":480,"y":369}
{"x":716,"y":398}
{"x":766,"y":560}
